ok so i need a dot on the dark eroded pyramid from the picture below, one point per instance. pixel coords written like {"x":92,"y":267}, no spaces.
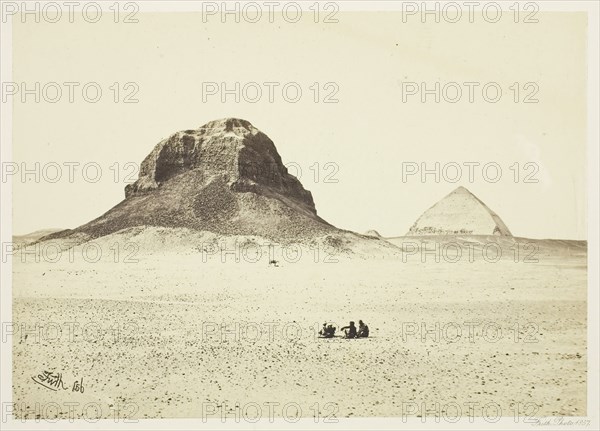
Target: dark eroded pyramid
{"x":224,"y":177}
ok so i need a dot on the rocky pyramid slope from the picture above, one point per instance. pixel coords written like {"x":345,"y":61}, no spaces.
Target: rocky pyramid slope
{"x":225,"y":177}
{"x":459,"y":213}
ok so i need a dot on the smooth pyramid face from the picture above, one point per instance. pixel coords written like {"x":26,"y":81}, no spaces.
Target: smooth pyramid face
{"x":460,"y":212}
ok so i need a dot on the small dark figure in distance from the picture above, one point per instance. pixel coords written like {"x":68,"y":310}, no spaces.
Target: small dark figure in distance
{"x":363,"y":330}
{"x":350,"y":331}
{"x":323,"y":330}
{"x":328,"y":331}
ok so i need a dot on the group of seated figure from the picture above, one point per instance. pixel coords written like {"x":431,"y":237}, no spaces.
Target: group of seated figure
{"x":350,"y":331}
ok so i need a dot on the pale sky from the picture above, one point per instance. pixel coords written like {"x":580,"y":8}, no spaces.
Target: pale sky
{"x":368,"y":134}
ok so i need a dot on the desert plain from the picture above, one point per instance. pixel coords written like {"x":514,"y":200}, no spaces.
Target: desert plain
{"x":169,"y":330}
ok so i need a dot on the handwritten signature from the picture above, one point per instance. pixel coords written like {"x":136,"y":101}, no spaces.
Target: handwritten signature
{"x":54,"y":382}
{"x":560,"y":421}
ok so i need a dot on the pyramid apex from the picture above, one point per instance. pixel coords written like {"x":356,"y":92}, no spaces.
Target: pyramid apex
{"x":461,"y":189}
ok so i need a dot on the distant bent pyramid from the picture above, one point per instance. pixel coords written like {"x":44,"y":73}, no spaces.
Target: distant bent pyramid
{"x":460,"y":212}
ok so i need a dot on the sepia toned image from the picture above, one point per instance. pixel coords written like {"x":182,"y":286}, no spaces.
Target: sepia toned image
{"x":322,"y":215}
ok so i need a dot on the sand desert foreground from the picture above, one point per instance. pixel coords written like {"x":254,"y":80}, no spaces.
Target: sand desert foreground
{"x":146,"y":338}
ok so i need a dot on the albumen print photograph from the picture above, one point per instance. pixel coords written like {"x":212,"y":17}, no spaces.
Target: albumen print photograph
{"x":299,"y":215}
